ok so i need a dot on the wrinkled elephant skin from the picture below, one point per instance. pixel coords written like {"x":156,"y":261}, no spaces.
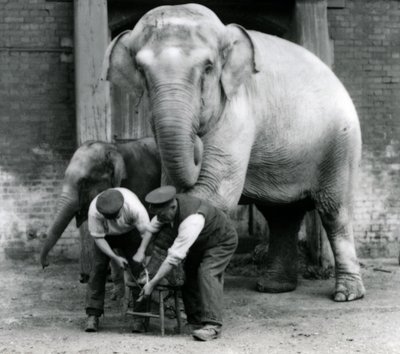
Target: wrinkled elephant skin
{"x":241,"y":112}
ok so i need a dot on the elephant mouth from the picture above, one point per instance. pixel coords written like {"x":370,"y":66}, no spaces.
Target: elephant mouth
{"x":81,"y":217}
{"x":198,"y":152}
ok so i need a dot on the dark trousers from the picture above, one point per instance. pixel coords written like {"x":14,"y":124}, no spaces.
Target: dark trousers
{"x":127,"y":245}
{"x":202,"y":292}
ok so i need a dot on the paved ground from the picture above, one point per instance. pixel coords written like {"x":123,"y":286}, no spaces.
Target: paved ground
{"x":42,"y":312}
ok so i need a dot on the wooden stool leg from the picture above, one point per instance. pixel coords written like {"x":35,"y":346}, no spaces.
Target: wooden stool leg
{"x":177,"y":311}
{"x":126,"y":299}
{"x":147,"y":319}
{"x":161,"y":312}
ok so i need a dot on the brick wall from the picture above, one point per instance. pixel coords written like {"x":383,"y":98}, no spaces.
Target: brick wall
{"x":37,"y":120}
{"x":366,"y":37}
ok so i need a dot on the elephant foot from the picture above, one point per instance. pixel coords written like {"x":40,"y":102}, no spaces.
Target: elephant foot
{"x":277,"y":283}
{"x":349,"y":287}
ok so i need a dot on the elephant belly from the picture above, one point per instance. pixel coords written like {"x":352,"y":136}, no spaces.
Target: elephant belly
{"x":277,"y":187}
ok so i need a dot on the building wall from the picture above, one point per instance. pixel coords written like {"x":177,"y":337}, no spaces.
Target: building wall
{"x":37,"y":119}
{"x":366,"y":38}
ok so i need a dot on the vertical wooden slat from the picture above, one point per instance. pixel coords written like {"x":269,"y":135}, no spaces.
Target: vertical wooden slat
{"x":311,"y":28}
{"x":92,"y":98}
{"x":93,"y":118}
{"x":311,"y":31}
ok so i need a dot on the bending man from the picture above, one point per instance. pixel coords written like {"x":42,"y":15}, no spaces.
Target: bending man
{"x":204,"y":236}
{"x":116,"y":220}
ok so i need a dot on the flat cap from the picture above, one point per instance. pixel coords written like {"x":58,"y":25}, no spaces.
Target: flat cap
{"x":110,"y":202}
{"x":161,"y":195}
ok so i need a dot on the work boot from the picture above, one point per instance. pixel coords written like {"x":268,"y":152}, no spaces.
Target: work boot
{"x":208,"y":332}
{"x":92,"y":324}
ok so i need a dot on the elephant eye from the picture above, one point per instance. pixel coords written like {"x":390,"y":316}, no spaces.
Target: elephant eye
{"x":139,"y":68}
{"x":208,"y":67}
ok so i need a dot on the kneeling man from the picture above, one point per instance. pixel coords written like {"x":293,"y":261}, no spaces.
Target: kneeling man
{"x":116,"y":220}
{"x":205,"y":238}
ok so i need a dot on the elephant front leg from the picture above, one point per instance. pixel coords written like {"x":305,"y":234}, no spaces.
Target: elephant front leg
{"x":86,"y":256}
{"x":281,"y":259}
{"x":349,"y":285}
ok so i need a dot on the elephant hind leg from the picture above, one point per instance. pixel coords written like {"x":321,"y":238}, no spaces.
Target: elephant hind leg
{"x":339,"y":229}
{"x":281,"y":260}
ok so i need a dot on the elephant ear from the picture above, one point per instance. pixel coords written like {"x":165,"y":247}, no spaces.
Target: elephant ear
{"x":119,"y":170}
{"x":239,"y":57}
{"x":119,"y":65}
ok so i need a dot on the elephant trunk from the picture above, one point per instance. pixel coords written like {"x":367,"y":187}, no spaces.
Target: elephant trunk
{"x":176,"y":125}
{"x":67,"y":206}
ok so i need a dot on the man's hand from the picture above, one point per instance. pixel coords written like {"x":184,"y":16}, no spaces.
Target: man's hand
{"x":122,"y":262}
{"x":154,"y":225}
{"x":146,"y":291}
{"x":139,"y":256}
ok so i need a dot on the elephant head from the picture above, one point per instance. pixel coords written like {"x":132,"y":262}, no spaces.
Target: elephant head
{"x":189,"y":64}
{"x":94,"y":167}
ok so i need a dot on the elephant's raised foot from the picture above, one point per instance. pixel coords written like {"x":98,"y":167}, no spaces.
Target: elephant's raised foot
{"x":270,"y":284}
{"x":348,"y":287}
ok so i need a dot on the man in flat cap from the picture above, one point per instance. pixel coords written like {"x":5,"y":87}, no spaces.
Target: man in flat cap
{"x":116,"y":220}
{"x":204,"y":237}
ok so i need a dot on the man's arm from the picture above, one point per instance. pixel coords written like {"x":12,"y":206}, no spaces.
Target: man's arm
{"x":189,"y":230}
{"x":140,"y":253}
{"x":146,"y":231}
{"x":106,"y":249}
{"x":148,"y":288}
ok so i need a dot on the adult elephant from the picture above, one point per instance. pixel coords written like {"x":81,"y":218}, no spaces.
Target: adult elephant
{"x":95,"y":167}
{"x":236,"y":111}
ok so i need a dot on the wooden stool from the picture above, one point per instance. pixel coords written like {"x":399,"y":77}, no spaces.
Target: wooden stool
{"x":161,"y":289}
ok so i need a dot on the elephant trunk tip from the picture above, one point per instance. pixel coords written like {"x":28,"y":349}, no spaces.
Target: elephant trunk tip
{"x":186,"y":175}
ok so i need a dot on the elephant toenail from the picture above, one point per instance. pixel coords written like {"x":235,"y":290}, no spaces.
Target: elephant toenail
{"x":340,"y":297}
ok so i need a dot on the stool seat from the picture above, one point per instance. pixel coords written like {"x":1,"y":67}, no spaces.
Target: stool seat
{"x":161,"y":289}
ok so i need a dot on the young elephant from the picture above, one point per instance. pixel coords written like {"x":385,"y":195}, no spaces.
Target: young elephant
{"x":95,"y":167}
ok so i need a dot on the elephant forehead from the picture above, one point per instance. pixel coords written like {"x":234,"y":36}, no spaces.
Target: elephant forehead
{"x":178,"y":35}
{"x":194,"y":12}
{"x":174,"y":56}
{"x":179,"y":23}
